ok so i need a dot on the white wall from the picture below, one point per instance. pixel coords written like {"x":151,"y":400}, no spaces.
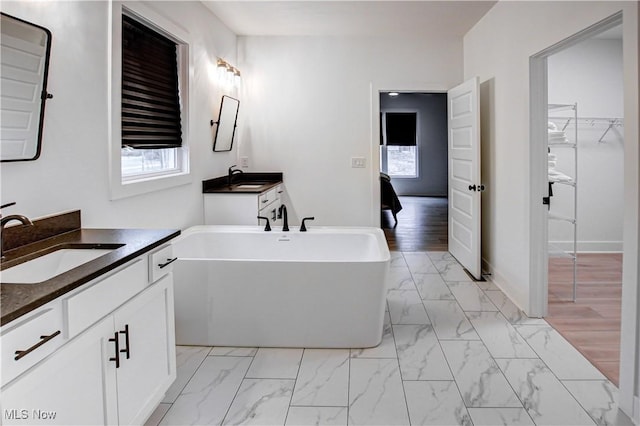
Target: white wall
{"x":590,"y":73}
{"x":72,"y":171}
{"x":308,"y":110}
{"x":497,"y":49}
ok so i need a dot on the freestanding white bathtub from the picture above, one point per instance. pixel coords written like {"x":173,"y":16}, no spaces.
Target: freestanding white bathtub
{"x":241,"y":286}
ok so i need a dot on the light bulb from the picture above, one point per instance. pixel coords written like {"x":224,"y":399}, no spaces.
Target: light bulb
{"x":221,"y":68}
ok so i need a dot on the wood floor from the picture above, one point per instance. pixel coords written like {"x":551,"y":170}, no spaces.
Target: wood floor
{"x":422,"y":225}
{"x":592,"y":323}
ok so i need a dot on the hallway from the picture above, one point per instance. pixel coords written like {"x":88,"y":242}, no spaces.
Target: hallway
{"x":422,"y":225}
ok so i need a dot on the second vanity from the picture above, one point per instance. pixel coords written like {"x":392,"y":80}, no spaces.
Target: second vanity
{"x":95,"y":344}
{"x":239,"y":201}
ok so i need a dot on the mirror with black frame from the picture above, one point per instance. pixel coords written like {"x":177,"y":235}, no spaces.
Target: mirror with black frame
{"x":226,"y":124}
{"x":24,"y":57}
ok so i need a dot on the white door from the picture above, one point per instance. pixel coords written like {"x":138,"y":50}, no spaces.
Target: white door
{"x":464,"y":175}
{"x":70,"y":387}
{"x":147,"y":351}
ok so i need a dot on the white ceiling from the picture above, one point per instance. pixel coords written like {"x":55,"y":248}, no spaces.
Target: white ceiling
{"x":450,"y":18}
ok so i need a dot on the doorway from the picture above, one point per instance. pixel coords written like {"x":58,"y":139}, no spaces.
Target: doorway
{"x":551,"y":121}
{"x":586,"y":180}
{"x":414,"y":167}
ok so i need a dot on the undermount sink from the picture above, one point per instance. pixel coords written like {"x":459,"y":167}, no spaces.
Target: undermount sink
{"x":50,"y":265}
{"x":249,"y":186}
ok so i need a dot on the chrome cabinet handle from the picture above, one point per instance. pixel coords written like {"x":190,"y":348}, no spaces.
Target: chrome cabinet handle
{"x":43,"y":340}
{"x":169,"y":261}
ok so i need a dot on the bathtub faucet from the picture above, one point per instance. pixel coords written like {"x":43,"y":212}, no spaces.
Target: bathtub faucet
{"x":282,"y":213}
{"x":303,"y":228}
{"x":267,"y":227}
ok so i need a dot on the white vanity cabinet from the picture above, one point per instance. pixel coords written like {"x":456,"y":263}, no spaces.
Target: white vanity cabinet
{"x":117,"y":368}
{"x":70,"y":387}
{"x":147,"y":357}
{"x":233,"y":208}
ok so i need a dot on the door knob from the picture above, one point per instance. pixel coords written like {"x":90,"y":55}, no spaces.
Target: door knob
{"x":479,"y":188}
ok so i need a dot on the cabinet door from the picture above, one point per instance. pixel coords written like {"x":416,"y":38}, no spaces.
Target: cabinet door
{"x":230,"y":209}
{"x":73,"y":386}
{"x":147,"y":345}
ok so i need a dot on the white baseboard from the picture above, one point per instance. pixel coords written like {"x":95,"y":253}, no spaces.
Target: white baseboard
{"x":590,"y":246}
{"x":495,"y":276}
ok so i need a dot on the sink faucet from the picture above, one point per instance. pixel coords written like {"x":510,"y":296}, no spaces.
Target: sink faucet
{"x":232,"y":172}
{"x":4,"y":220}
{"x":282,"y":213}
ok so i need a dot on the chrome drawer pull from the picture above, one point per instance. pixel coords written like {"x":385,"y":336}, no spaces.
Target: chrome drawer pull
{"x":44,"y":339}
{"x":169,"y":261}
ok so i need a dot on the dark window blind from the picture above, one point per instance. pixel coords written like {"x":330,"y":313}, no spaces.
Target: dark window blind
{"x":401,"y":128}
{"x":150,"y":98}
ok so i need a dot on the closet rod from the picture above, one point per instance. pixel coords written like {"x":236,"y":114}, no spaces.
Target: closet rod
{"x":610,"y":121}
{"x":591,"y":119}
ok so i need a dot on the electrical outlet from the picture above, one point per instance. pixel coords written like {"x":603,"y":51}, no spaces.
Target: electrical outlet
{"x":358,"y":162}
{"x":244,"y":162}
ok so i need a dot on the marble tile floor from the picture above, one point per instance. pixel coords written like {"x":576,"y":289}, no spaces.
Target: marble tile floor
{"x":453,"y":352}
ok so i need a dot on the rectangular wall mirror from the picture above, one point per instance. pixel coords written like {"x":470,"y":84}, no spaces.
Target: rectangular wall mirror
{"x":24,"y":58}
{"x":226,"y":124}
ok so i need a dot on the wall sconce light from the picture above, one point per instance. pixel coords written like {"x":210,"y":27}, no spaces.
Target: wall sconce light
{"x":227,"y":74}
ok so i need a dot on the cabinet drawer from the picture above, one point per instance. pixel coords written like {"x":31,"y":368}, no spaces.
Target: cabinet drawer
{"x":269,"y":211}
{"x":266,"y":198}
{"x":33,"y":338}
{"x":160,"y":263}
{"x":101,"y":298}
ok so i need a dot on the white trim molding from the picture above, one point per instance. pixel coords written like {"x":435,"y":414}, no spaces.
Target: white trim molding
{"x":630,"y":330}
{"x":145,"y":13}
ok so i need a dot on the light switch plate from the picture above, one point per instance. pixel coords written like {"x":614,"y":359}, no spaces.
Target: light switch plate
{"x":358,"y":162}
{"x":244,"y":162}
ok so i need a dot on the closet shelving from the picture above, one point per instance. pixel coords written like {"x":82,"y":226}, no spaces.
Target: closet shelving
{"x":567,"y":115}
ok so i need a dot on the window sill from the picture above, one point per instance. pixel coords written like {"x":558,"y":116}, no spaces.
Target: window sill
{"x":137,"y":187}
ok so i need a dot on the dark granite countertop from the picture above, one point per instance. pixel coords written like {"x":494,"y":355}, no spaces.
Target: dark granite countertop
{"x":19,"y":299}
{"x":264,"y":182}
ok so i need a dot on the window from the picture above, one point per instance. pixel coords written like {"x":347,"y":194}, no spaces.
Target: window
{"x":399,"y":154}
{"x":401,"y":161}
{"x":151,"y":127}
{"x":149,"y":114}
